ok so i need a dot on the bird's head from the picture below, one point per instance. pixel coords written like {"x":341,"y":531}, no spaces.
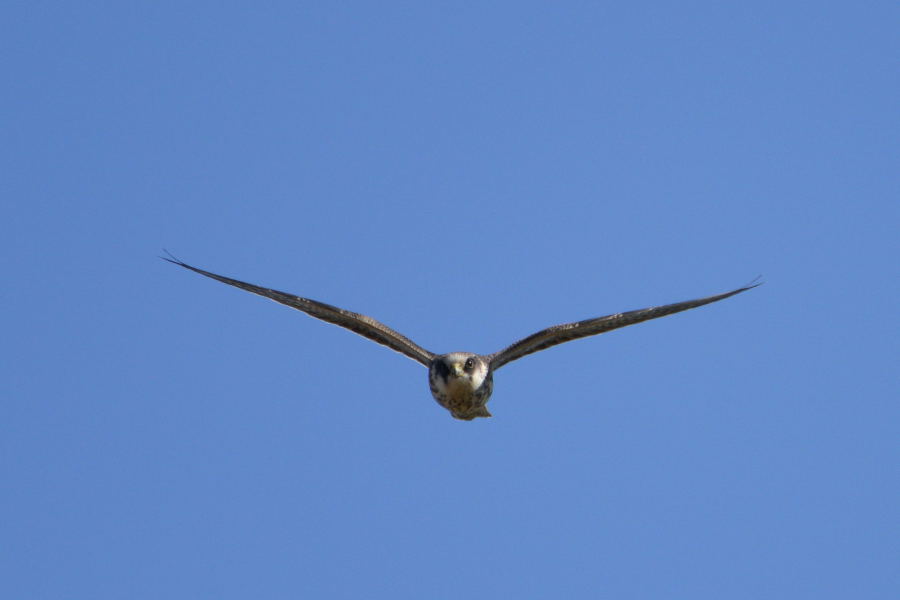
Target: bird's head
{"x":460,"y":369}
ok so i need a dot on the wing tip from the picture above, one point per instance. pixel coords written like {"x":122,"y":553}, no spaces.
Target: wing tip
{"x":755,"y":282}
{"x":172,"y":258}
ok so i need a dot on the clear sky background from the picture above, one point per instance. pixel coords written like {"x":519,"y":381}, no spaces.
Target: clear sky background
{"x":467,"y":173}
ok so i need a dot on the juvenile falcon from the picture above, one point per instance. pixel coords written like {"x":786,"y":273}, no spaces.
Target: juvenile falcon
{"x":462,"y":382}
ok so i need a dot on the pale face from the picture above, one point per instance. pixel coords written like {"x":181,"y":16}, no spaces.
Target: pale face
{"x":460,"y":372}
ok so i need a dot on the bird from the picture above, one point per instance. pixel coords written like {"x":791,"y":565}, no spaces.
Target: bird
{"x":462,"y":382}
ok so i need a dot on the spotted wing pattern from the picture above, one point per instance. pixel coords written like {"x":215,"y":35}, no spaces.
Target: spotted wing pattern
{"x":566,"y":332}
{"x":359,"y":324}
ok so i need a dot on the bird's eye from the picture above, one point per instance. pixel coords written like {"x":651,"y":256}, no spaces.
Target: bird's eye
{"x":470,"y":364}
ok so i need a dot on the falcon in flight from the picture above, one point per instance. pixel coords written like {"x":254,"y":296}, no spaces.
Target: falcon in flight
{"x":462,"y":382}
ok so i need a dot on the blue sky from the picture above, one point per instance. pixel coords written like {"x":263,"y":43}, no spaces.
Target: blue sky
{"x":467,"y":173}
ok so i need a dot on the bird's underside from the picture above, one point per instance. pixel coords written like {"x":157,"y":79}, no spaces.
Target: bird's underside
{"x":462,"y":382}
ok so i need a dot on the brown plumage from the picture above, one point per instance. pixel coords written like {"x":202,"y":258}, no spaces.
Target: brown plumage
{"x":462,"y":382}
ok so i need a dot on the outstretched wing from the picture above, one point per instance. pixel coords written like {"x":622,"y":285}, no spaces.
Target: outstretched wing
{"x":360,"y":324}
{"x":572,"y":331}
